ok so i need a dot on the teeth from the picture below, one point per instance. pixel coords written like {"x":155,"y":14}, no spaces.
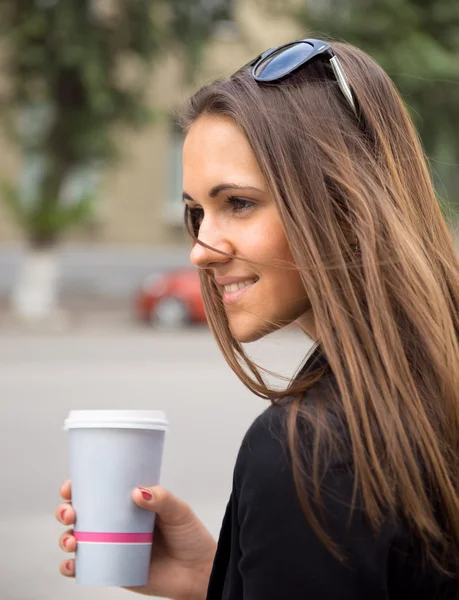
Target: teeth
{"x":238,"y":286}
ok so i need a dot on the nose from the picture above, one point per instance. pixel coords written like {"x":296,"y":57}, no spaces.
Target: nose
{"x":203,"y":257}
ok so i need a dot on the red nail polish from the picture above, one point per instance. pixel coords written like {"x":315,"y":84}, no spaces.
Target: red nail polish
{"x":68,"y":565}
{"x":146,"y":494}
{"x":63,"y":511}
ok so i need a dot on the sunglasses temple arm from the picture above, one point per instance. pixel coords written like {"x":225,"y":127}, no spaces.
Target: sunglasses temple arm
{"x":342,"y":81}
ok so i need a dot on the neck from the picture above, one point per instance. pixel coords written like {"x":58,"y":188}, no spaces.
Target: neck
{"x":307,"y":324}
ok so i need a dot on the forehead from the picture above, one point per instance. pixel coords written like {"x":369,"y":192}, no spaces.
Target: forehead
{"x":215,"y":149}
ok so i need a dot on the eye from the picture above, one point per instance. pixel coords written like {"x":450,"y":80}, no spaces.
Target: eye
{"x":193,"y":219}
{"x":239,"y":205}
{"x":195,"y":215}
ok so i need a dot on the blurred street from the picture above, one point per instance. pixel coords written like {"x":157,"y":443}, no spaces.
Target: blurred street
{"x":96,"y":272}
{"x":43,"y":376}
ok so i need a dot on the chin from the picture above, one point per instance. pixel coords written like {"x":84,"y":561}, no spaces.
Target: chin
{"x":248,"y":332}
{"x":249,"y":336}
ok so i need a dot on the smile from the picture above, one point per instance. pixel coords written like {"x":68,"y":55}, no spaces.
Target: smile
{"x":235,"y":291}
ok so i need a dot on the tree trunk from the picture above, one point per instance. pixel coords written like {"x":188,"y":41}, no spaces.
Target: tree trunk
{"x":34,"y":296}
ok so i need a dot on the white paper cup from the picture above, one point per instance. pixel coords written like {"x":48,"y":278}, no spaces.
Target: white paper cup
{"x":111,"y":453}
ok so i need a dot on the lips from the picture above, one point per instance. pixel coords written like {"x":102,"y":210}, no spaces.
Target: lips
{"x":222,"y":281}
{"x":239,"y":286}
{"x":234,"y":295}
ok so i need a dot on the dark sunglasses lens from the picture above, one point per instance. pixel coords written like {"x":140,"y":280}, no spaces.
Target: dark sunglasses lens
{"x":283,"y":61}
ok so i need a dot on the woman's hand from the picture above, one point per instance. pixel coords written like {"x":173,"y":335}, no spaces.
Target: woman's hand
{"x":182,"y":553}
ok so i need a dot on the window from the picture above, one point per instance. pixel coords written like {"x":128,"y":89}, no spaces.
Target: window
{"x":173,"y":197}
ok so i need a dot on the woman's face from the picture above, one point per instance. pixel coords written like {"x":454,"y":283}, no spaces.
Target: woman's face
{"x":235,"y":213}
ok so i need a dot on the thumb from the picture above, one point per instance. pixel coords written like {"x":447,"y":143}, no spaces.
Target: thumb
{"x":170,"y":509}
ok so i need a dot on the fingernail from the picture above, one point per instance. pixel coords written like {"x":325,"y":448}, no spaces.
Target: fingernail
{"x":68,"y":565}
{"x":65,"y":541}
{"x":63,"y":511}
{"x":146,"y":494}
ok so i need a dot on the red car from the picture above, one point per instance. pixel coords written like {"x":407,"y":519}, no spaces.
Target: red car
{"x":171,"y":300}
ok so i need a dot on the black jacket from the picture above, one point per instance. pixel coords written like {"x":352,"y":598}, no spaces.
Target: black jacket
{"x":267,"y":550}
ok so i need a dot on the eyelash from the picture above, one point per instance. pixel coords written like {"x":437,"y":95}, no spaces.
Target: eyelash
{"x":197,"y":213}
{"x":232,"y":200}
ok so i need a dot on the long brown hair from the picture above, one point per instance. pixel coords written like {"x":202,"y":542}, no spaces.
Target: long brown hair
{"x":387,"y":319}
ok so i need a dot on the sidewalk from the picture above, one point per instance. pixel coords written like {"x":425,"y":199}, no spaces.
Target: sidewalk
{"x":82,"y":311}
{"x":105,"y":271}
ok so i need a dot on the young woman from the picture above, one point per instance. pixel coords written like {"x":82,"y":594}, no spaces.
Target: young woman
{"x":308,"y":199}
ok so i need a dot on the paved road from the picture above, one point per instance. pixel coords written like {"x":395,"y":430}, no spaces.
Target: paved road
{"x":43,"y":377}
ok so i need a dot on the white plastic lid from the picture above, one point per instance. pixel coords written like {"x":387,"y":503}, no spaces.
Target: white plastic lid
{"x":119,"y":419}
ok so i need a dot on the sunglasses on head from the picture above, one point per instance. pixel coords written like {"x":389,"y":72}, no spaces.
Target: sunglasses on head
{"x":278,"y":63}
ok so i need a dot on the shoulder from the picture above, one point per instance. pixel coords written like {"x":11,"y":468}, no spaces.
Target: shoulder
{"x":265,"y":448}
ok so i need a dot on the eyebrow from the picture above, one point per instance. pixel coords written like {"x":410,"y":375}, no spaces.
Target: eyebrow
{"x":213,"y":192}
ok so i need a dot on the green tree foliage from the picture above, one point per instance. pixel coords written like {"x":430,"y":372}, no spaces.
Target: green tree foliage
{"x":417,"y":43}
{"x":65,"y":63}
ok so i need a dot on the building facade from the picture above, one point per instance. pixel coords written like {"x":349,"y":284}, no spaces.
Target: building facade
{"x":139,"y":200}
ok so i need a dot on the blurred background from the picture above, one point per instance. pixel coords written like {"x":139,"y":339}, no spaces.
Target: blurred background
{"x":98,"y":306}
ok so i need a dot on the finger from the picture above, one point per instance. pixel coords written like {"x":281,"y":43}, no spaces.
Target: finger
{"x":65,"y":514}
{"x":67,"y":541}
{"x":67,"y":568}
{"x":65,"y":490}
{"x":169,"y":508}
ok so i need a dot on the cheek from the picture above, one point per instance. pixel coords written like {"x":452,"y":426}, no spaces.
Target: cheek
{"x":267,"y":243}
{"x":265,"y":240}
{"x":289,"y":287}
{"x":287,"y":291}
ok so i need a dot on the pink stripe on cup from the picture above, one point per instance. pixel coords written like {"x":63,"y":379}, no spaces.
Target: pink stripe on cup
{"x":113,"y":538}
